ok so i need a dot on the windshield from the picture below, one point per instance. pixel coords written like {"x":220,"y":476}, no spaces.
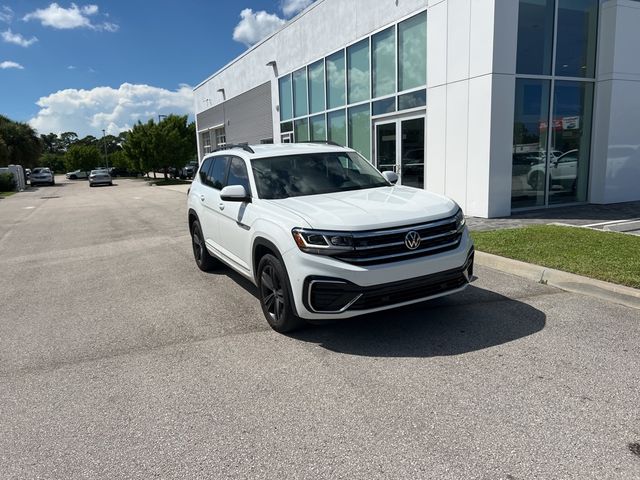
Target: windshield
{"x":314,"y":173}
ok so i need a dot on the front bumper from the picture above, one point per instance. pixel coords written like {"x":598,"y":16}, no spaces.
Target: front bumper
{"x":99,"y":181}
{"x":323,"y":287}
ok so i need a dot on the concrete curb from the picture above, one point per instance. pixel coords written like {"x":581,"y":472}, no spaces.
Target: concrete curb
{"x":566,"y":281}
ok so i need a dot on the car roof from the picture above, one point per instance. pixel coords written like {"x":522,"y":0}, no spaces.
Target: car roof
{"x":281,"y":149}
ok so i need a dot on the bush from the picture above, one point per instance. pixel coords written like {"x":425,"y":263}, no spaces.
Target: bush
{"x":7,"y":183}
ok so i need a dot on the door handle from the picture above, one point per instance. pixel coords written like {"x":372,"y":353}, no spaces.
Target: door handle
{"x":221,"y":206}
{"x":202,"y":197}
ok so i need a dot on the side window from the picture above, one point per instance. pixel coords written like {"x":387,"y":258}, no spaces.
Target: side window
{"x":238,"y":174}
{"x":217,"y":173}
{"x":204,"y":168}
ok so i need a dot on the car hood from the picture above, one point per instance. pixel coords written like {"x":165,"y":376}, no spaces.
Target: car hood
{"x":369,"y":209}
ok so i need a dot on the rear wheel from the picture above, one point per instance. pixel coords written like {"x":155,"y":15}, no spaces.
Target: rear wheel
{"x":275,"y":299}
{"x":203,"y":258}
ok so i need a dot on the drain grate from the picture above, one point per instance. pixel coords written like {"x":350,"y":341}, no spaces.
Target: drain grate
{"x":635,"y":448}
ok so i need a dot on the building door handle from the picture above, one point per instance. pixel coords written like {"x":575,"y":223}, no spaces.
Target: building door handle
{"x":221,"y":206}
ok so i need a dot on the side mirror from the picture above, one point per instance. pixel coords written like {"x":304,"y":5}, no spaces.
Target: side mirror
{"x":234,"y":193}
{"x":392,"y":177}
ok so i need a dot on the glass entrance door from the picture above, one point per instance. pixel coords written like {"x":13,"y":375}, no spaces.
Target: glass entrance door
{"x":400,"y":148}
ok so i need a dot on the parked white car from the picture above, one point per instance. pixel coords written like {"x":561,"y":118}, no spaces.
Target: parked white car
{"x":77,"y":174}
{"x":42,"y":176}
{"x":563,"y":171}
{"x":323,"y":234}
{"x":100,"y":177}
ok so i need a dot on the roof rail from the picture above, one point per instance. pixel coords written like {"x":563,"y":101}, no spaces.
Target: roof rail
{"x":229,"y":146}
{"x":328,"y":142}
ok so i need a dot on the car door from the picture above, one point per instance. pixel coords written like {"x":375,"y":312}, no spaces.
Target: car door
{"x":236,"y":218}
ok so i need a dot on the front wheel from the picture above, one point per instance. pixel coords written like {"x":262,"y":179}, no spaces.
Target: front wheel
{"x":275,"y":299}
{"x":203,"y":258}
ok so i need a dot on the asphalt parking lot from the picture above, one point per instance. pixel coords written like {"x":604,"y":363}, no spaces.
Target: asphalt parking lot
{"x":120,"y":359}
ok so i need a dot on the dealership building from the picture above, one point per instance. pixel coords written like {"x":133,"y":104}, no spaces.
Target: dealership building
{"x":503,"y":105}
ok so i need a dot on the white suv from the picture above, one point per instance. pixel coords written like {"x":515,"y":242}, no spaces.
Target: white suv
{"x":323,"y":234}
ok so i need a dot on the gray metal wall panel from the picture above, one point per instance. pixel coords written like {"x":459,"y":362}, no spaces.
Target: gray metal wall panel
{"x":248,"y":116}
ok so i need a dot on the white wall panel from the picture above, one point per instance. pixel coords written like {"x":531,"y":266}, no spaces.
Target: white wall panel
{"x":436,"y":157}
{"x":481,"y":37}
{"x":437,"y":45}
{"x":457,"y":137}
{"x":458,"y":29}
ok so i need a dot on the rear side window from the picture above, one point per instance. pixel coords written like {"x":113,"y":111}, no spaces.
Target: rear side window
{"x":204,"y":168}
{"x":238,"y":174}
{"x":217,"y":173}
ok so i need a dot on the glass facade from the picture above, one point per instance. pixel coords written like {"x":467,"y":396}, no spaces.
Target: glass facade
{"x":335,"y":98}
{"x":555,"y":71}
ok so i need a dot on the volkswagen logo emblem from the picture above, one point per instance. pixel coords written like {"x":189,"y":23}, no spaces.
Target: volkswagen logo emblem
{"x":412,"y":240}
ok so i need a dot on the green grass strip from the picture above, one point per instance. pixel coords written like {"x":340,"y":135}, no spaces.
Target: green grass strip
{"x":609,"y":256}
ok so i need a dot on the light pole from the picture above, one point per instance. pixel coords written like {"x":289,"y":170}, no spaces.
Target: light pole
{"x":104,"y":142}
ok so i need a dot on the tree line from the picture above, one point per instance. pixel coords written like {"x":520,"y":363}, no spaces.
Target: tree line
{"x":147,"y":147}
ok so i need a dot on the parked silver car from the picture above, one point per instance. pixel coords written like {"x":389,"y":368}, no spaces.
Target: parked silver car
{"x":99,"y":177}
{"x":42,"y":176}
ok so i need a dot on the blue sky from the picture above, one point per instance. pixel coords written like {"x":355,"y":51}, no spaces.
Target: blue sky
{"x":105,"y":64}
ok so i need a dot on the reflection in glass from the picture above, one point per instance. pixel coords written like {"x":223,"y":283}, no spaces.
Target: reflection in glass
{"x":318,"y":128}
{"x":535,"y":37}
{"x":360,"y":130}
{"x":383,"y":57}
{"x":386,"y":147}
{"x":386,"y":105}
{"x":337,"y":126}
{"x":286,"y":127}
{"x":301,"y":130}
{"x":570,"y":139}
{"x":286,"y":102}
{"x":576,"y":44}
{"x":412,"y":100}
{"x":300,"y":92}
{"x":335,"y":79}
{"x":358,"y":72}
{"x":412,"y":52}
{"x":316,"y":87}
{"x":529,"y":143}
{"x":412,"y":159}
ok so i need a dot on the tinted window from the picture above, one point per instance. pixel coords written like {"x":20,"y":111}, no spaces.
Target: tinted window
{"x":218,"y":172}
{"x":238,"y":174}
{"x":535,"y":36}
{"x":203,"y":170}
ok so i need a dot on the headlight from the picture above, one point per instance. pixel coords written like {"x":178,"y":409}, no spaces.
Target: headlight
{"x":460,"y":220}
{"x":322,"y":242}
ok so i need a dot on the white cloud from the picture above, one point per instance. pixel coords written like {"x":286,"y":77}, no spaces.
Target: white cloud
{"x":17,"y":39}
{"x":292,"y":7}
{"x":114,"y":109}
{"x":71,"y":67}
{"x":61,"y":18}
{"x":6,"y":14}
{"x":254,"y":26}
{"x":9,"y":64}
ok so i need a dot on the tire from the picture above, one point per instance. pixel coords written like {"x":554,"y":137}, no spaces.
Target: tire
{"x":203,"y":258}
{"x":111,"y":184}
{"x":275,"y":296}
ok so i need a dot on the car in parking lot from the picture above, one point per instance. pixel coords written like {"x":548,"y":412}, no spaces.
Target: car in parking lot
{"x":188,"y":171}
{"x":77,"y":174}
{"x":323,"y":234}
{"x":42,"y":176}
{"x":100,"y":177}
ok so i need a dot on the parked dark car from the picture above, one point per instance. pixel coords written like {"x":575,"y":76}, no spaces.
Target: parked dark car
{"x":188,"y":171}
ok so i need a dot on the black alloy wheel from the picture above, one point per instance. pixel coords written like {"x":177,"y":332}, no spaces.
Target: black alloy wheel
{"x":275,"y":298}
{"x":204,"y":260}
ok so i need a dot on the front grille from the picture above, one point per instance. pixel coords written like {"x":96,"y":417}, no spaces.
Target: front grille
{"x":388,"y":245}
{"x":333,"y":296}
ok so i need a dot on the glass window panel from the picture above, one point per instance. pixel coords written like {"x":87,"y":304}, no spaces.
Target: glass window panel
{"x":238,"y":174}
{"x":358,"y":81}
{"x":383,"y":55}
{"x":316,"y":87}
{"x":530,"y":127}
{"x":318,"y":128}
{"x":412,"y":52}
{"x":286,"y":127}
{"x":535,"y":37}
{"x":360,"y":130}
{"x":412,"y":100}
{"x":218,"y":172}
{"x":387,"y":105}
{"x":412,"y":159}
{"x":337,"y":126}
{"x":386,"y":147}
{"x":576,"y":44}
{"x":286,"y":102}
{"x":301,"y":130}
{"x":335,"y":80}
{"x":570,"y":142}
{"x":300,"y":92}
